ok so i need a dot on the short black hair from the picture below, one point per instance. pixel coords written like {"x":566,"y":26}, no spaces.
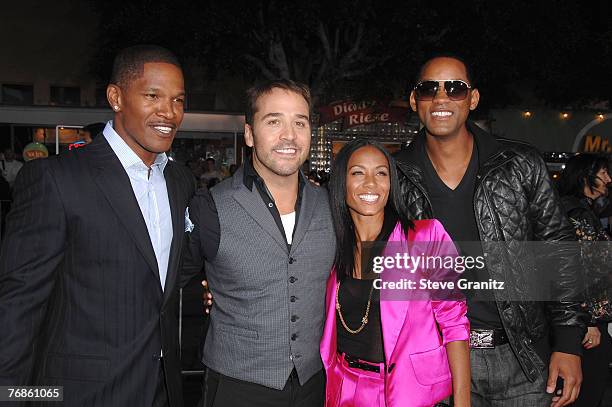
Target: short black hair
{"x":580,"y":171}
{"x":129,"y":62}
{"x":460,"y":58}
{"x":256,"y":91}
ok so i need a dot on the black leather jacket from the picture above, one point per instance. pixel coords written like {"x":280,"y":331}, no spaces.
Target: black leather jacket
{"x":596,"y":257}
{"x":514,"y":200}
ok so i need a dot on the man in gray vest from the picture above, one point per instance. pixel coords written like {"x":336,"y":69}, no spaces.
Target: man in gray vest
{"x":267,"y":238}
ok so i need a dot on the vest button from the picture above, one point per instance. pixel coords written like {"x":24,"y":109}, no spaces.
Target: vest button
{"x":293,"y":337}
{"x":291,"y":260}
{"x":293,"y":298}
{"x":292,"y":279}
{"x":294,"y":318}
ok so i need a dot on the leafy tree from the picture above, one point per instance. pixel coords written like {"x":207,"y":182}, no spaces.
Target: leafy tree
{"x":557,"y":53}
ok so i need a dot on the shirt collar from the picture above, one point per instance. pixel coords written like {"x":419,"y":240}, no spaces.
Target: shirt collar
{"x":250,"y":175}
{"x":125,"y":154}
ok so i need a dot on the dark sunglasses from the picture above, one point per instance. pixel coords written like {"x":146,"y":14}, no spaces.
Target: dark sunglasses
{"x":455,"y":90}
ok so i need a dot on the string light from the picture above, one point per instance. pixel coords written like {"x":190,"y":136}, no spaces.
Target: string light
{"x":526,"y":114}
{"x":564,"y":115}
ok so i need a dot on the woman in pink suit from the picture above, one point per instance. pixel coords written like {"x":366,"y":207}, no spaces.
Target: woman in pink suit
{"x":383,"y":352}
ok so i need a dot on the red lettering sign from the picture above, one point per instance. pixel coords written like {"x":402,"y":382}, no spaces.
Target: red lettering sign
{"x":360,"y":113}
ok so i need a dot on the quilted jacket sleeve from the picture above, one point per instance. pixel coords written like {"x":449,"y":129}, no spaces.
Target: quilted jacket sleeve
{"x":567,"y":318}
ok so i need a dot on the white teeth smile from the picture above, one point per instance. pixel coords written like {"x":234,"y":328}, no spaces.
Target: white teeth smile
{"x":286,"y":151}
{"x":369,"y":197}
{"x":163,"y":129}
{"x":441,"y":114}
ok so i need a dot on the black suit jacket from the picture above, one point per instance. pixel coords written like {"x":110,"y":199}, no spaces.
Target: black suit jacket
{"x":81,"y":303}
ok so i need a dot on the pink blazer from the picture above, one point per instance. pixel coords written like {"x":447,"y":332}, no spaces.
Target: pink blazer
{"x":418,"y":373}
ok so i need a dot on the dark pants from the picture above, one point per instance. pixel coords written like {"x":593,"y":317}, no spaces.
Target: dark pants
{"x":595,"y":371}
{"x":499,"y":381}
{"x":161,"y":392}
{"x":224,"y":391}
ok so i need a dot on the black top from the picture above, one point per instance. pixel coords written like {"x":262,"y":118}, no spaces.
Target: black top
{"x":209,"y":218}
{"x":596,"y":257}
{"x":353,"y":297}
{"x":455,"y":210}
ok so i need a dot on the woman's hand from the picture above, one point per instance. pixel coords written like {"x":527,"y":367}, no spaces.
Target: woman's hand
{"x":592,"y":338}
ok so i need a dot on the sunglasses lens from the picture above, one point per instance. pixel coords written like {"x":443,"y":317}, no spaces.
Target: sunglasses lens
{"x":456,"y":90}
{"x":426,"y":90}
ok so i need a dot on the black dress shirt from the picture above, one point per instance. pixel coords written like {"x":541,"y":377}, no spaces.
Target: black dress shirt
{"x":210,"y":230}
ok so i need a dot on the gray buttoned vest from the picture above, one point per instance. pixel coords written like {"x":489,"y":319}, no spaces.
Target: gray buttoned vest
{"x":269,"y":304}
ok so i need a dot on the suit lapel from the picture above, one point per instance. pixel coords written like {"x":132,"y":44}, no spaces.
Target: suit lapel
{"x":393,"y":313}
{"x":114,"y":183}
{"x":394,"y":310}
{"x":329,"y":339}
{"x":178,"y":227}
{"x":252,"y":203}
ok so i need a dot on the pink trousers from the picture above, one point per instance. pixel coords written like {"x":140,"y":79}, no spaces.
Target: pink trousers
{"x":352,"y":387}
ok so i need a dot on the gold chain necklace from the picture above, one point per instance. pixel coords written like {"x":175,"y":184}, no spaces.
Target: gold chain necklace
{"x":364,"y":320}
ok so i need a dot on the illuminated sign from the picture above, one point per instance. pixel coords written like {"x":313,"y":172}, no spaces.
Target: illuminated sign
{"x":77,"y":145}
{"x":362,"y":112}
{"x":35,"y":150}
{"x":596,"y":136}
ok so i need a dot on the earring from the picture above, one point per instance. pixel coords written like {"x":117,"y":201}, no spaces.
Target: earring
{"x":116,"y":107}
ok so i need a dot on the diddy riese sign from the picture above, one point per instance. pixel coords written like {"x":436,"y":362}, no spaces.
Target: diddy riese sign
{"x":357,"y":113}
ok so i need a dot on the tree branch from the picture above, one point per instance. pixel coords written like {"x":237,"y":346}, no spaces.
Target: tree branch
{"x":336,"y":42}
{"x":434,"y":38}
{"x":261,"y":65}
{"x":349,"y":57}
{"x":278,"y":57}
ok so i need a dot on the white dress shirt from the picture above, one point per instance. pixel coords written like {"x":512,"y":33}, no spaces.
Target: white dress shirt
{"x":152,"y":196}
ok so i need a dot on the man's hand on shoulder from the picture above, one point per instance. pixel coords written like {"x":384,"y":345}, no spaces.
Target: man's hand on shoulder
{"x":206,"y":297}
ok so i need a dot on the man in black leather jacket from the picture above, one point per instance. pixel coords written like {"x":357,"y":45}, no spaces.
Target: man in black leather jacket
{"x":493,"y":190}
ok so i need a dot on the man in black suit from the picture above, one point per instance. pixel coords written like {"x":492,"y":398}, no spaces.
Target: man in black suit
{"x":89,"y":263}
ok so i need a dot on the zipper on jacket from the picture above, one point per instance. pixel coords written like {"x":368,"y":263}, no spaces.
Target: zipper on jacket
{"x":480,"y":228}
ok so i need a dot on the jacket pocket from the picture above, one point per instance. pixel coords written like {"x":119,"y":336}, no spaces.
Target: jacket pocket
{"x":77,"y":367}
{"x":234,"y":330}
{"x":431,"y":367}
